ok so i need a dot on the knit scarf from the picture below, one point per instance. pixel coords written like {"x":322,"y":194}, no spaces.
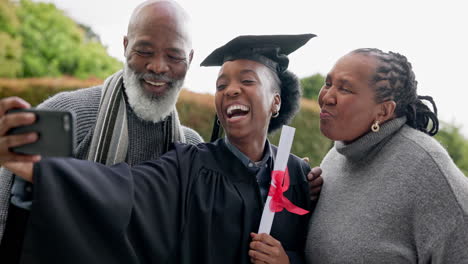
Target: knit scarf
{"x":110,"y":138}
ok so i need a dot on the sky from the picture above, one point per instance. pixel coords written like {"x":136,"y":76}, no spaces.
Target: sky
{"x":431,"y":34}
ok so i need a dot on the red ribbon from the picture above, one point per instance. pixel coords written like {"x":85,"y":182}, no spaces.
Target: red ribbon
{"x":280,"y":184}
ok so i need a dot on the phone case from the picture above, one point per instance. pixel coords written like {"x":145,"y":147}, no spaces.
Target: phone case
{"x":56,"y":133}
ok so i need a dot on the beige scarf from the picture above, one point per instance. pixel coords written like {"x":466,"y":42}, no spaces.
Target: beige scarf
{"x":110,"y":139}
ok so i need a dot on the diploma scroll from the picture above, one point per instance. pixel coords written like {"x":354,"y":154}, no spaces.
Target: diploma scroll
{"x":281,"y":162}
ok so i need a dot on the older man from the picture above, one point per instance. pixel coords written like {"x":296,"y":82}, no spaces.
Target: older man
{"x":140,"y":99}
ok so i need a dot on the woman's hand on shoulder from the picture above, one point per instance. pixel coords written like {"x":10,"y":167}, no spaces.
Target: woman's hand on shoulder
{"x":266,"y":249}
{"x":315,"y":183}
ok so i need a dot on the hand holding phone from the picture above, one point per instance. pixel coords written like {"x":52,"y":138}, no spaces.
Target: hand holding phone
{"x":55,"y":131}
{"x":8,"y":122}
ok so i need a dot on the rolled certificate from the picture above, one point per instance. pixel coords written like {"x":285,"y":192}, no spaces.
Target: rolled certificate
{"x":281,"y":161}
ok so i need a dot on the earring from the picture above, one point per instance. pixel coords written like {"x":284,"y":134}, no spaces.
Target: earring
{"x":275,"y":114}
{"x":217,"y":122}
{"x":375,"y":127}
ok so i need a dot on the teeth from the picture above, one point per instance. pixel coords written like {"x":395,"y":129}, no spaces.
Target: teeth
{"x":155,"y":83}
{"x":237,"y":107}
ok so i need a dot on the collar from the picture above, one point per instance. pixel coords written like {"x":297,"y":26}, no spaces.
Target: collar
{"x":370,"y":142}
{"x":267,"y":155}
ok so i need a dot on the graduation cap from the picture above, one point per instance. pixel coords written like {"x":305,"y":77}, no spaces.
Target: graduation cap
{"x":269,"y":50}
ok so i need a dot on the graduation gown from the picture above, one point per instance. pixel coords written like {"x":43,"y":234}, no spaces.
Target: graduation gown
{"x":196,"y":204}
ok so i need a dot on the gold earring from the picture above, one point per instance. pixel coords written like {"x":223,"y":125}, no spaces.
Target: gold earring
{"x":375,"y":127}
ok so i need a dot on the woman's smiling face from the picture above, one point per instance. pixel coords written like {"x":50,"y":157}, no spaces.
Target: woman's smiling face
{"x":245,"y":98}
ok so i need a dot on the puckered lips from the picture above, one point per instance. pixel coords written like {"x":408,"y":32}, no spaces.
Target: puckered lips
{"x":324,"y":114}
{"x":236,"y":112}
{"x":155,"y":86}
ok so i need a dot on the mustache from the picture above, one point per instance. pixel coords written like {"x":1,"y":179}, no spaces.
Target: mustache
{"x":154,"y":77}
{"x":133,"y":77}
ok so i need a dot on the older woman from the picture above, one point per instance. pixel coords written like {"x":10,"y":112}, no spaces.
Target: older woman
{"x":391,"y":194}
{"x":196,"y":204}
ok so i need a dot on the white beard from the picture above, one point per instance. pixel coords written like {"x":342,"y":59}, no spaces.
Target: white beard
{"x":145,"y":105}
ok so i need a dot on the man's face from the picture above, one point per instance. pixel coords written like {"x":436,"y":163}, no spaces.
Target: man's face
{"x":158,"y":56}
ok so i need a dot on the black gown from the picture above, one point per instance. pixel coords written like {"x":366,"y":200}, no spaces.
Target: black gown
{"x":196,"y":204}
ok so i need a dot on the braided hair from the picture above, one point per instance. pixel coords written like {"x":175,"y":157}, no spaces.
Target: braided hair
{"x":394,"y":79}
{"x":289,"y":88}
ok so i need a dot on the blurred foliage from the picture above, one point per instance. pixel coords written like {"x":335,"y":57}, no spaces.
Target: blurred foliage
{"x":452,"y":139}
{"x":36,"y":90}
{"x":10,"y":42}
{"x":9,"y":22}
{"x":48,"y":43}
{"x":10,"y":56}
{"x":94,"y":61}
{"x":90,"y":35}
{"x":197,"y":111}
{"x":311,"y":86}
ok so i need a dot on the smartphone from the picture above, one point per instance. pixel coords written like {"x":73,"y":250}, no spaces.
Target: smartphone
{"x":56,"y":130}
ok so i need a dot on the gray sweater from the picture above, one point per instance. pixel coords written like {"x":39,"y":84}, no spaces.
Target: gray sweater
{"x":390,"y":197}
{"x":144,"y":137}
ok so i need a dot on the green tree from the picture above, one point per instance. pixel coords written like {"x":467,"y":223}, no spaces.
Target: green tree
{"x":8,"y":19}
{"x":455,"y":144}
{"x":37,"y":39}
{"x":50,"y":40}
{"x":311,"y":85}
{"x":94,"y":61}
{"x":10,"y":43}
